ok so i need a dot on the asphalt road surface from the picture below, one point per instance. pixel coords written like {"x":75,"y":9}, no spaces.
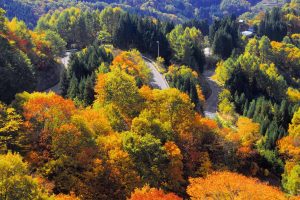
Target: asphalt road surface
{"x":211,"y":106}
{"x":158,"y":80}
{"x":65,"y":61}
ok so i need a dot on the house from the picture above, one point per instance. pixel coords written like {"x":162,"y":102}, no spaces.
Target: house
{"x":248,"y":33}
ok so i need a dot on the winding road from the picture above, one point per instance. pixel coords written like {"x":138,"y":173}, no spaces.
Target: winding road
{"x":65,"y":61}
{"x":158,"y":80}
{"x":211,"y":106}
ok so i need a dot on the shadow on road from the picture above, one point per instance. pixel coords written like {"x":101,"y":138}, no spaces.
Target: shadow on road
{"x":211,"y":106}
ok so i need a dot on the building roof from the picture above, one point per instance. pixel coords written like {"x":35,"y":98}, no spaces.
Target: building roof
{"x":247,"y":33}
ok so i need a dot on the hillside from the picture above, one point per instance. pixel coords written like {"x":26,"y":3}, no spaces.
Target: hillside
{"x":175,"y":10}
{"x":108,"y":104}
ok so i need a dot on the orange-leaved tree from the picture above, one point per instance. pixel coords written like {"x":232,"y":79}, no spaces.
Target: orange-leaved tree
{"x":175,"y":167}
{"x":147,"y":193}
{"x":245,"y":137}
{"x":229,"y":185}
{"x":290,"y":145}
{"x":43,"y":114}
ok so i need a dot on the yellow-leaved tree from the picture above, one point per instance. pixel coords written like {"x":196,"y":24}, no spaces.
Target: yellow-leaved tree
{"x":290,"y":147}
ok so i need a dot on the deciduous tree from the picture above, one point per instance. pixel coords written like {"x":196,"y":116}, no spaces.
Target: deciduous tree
{"x":228,"y":185}
{"x":119,"y":89}
{"x":15,"y":181}
{"x":147,"y":193}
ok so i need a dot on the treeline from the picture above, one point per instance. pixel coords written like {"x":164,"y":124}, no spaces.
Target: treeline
{"x":182,"y":44}
{"x":112,"y":25}
{"x":260,"y":81}
{"x":262,"y":75}
{"x":176,"y":11}
{"x":75,"y":28}
{"x":224,"y":36}
{"x":276,"y":23}
{"x":114,"y":137}
{"x":273,"y":25}
{"x":20,"y":10}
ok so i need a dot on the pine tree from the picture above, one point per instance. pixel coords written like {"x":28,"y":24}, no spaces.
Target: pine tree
{"x":265,"y":108}
{"x":81,"y":88}
{"x":272,"y":135}
{"x":264,"y":125}
{"x":251,"y":109}
{"x":284,"y":114}
{"x":242,"y":102}
{"x":246,"y":107}
{"x":88,"y":94}
{"x":64,"y":83}
{"x":273,"y":25}
{"x":257,"y":111}
{"x":73,"y":88}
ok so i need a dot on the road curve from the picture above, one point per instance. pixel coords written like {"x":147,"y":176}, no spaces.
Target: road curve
{"x":211,"y":107}
{"x":65,"y":61}
{"x":158,"y":80}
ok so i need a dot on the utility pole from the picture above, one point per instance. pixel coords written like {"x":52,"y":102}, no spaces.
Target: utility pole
{"x":157,"y":48}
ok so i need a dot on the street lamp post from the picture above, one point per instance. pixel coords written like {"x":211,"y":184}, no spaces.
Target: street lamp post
{"x":157,"y":48}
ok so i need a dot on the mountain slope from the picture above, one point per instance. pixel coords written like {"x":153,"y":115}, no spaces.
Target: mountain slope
{"x":175,"y":10}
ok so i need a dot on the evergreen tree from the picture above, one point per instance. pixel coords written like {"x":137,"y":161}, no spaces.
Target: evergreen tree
{"x":73,"y":87}
{"x":64,"y":83}
{"x":246,"y":107}
{"x":242,"y":102}
{"x":89,"y":94}
{"x":81,"y":88}
{"x":202,"y":25}
{"x":264,"y":125}
{"x":222,"y":44}
{"x":273,"y":25}
{"x":257,"y":111}
{"x":251,"y":109}
{"x":224,"y":36}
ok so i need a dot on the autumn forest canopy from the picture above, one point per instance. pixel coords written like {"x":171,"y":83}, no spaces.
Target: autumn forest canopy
{"x":149,"y":100}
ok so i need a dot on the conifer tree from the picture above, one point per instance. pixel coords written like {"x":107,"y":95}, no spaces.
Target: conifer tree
{"x":81,"y":87}
{"x":251,"y":109}
{"x":73,"y":88}
{"x":64,"y":83}
{"x":88,"y":94}
{"x":273,"y":25}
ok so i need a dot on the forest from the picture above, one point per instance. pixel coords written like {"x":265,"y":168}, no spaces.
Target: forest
{"x":174,"y":10}
{"x":84,"y":115}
